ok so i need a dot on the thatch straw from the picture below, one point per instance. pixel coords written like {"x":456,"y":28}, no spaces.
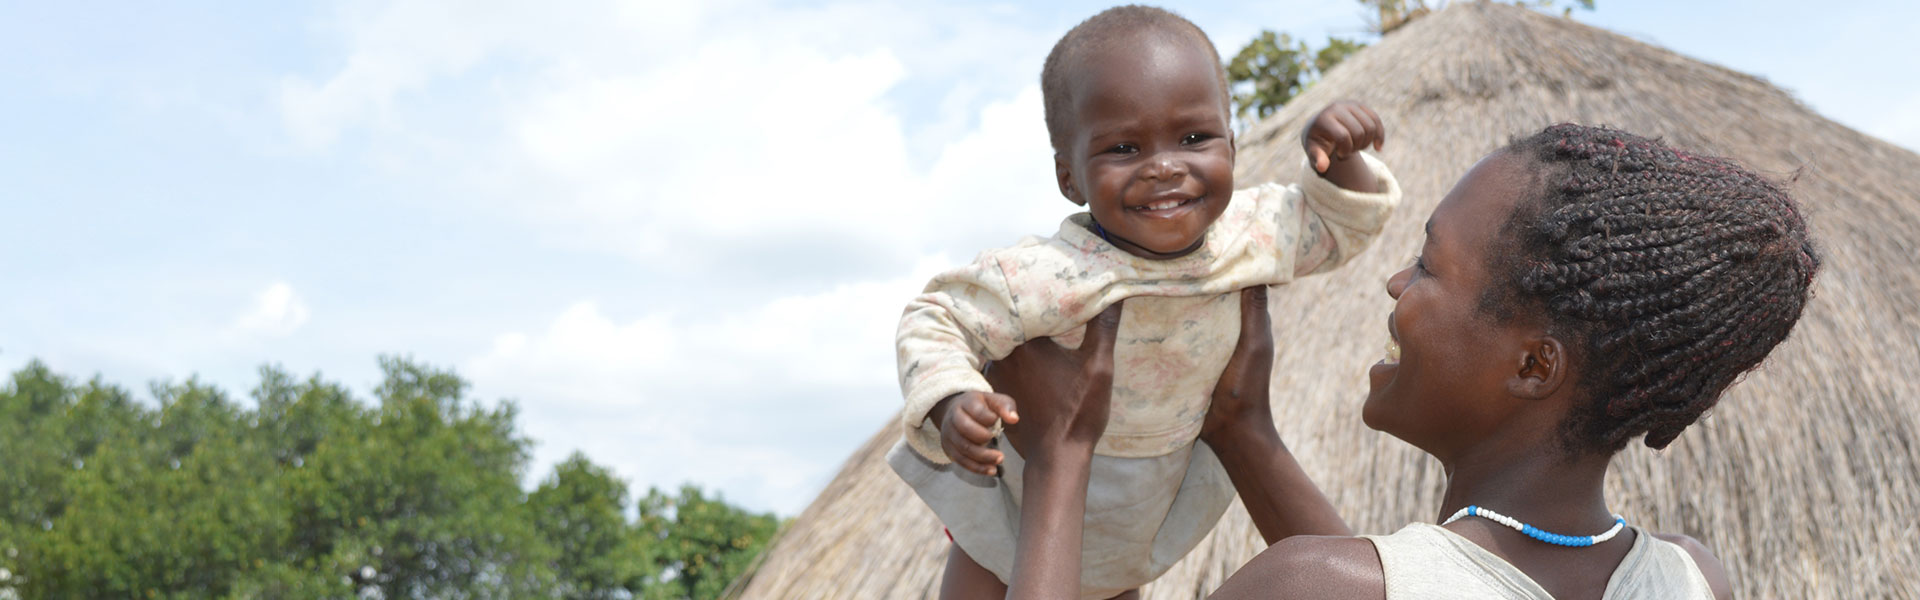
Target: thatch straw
{"x":1804,"y":480}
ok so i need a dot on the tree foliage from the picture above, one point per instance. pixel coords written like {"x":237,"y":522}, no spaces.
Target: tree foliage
{"x":1273,"y":68}
{"x":309,"y":493}
{"x":1268,"y":72}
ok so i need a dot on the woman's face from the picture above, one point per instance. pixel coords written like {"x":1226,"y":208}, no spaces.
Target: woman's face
{"x":1444,"y":380}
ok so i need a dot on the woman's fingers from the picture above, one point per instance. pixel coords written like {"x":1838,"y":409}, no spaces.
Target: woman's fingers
{"x":1253,"y":311}
{"x":1098,"y":344}
{"x":1256,"y":328}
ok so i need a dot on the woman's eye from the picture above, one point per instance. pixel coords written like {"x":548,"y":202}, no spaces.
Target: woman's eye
{"x":1420,"y":264}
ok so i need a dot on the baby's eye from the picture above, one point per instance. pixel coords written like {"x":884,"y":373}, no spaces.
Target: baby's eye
{"x":1195,"y":138}
{"x":1122,"y":149}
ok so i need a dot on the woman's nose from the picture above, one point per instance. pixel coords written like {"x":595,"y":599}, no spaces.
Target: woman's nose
{"x":1398,"y":282}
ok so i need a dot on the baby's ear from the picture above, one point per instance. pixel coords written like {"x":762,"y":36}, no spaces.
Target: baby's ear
{"x":1065,"y":177}
{"x":1542,"y":368}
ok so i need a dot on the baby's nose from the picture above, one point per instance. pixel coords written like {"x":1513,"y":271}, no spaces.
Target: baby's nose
{"x":1164,"y":167}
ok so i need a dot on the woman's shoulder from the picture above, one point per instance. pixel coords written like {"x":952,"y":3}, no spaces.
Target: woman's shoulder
{"x":1703,"y":559}
{"x":1310,"y":566}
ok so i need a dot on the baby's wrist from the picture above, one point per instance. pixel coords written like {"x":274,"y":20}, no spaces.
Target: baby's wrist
{"x":938,"y":414}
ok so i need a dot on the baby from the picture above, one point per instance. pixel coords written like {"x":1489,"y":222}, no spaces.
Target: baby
{"x":1137,"y":109}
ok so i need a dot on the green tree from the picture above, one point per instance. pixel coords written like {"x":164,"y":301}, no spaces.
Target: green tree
{"x":581,"y":510}
{"x":708,"y":544}
{"x":313,"y":494}
{"x":422,"y":497}
{"x":1272,"y":69}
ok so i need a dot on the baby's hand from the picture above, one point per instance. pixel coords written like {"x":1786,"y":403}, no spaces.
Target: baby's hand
{"x":1341,"y":130}
{"x":967,"y":425}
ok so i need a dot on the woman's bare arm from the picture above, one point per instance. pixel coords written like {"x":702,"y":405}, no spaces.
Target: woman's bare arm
{"x":1239,"y":427}
{"x":1063,"y":400}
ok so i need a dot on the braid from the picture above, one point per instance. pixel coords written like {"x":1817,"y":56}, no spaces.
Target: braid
{"x":1671,"y":273}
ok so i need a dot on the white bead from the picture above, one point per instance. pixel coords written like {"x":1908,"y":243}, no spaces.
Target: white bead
{"x":1552,"y":538}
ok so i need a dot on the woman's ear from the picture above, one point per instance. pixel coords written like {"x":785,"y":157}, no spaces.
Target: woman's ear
{"x":1065,"y":175}
{"x":1542,"y":369}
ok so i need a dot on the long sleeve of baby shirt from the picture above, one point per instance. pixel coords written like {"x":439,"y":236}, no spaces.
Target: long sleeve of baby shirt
{"x":1171,"y":344}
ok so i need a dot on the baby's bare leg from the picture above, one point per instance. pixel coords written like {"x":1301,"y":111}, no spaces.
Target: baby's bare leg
{"x":967,"y":580}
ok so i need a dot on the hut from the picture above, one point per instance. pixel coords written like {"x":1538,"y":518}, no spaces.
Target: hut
{"x":1805,"y":479}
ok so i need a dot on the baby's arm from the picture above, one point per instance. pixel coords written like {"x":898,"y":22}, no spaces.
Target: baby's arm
{"x":963,"y":318}
{"x":1334,"y":138}
{"x":1345,"y":200}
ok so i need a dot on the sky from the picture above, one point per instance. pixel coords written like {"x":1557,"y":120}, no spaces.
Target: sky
{"x":677,"y":234}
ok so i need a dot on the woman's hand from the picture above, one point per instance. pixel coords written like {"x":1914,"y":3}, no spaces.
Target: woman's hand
{"x":1240,"y":397}
{"x":1064,"y":394}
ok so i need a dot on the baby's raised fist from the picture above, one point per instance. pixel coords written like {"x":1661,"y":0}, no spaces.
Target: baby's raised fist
{"x":1339,"y":131}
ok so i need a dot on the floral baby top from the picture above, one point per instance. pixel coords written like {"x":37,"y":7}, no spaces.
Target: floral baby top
{"x":1173,"y":342}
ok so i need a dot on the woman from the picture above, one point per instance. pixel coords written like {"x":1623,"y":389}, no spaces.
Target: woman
{"x":1578,"y":289}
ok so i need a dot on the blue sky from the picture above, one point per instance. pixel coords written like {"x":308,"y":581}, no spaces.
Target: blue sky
{"x":677,"y":233}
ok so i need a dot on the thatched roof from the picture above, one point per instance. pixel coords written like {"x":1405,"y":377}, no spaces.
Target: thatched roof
{"x":1805,"y":480}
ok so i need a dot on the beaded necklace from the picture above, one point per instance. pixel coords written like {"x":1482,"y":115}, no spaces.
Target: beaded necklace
{"x":1576,"y":541}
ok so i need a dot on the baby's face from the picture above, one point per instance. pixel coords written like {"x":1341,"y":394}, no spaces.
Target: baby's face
{"x":1151,"y":152}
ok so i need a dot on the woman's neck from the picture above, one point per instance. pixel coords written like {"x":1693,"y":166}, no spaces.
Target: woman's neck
{"x":1545,"y":489}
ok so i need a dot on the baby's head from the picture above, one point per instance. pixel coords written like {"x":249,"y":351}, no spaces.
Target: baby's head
{"x":1137,"y":109}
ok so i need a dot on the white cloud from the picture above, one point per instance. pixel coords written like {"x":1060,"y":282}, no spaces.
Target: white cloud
{"x":659,"y":130}
{"x":763,"y":402}
{"x":776,"y":144}
{"x":738,"y":142}
{"x":276,"y":312}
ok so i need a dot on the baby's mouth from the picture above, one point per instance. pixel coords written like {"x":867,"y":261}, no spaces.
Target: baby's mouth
{"x":1166,"y":205}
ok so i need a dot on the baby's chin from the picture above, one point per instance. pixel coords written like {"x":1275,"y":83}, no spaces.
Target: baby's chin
{"x":1171,"y":249}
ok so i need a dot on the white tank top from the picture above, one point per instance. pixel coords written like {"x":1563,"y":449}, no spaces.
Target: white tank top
{"x":1427,"y":561}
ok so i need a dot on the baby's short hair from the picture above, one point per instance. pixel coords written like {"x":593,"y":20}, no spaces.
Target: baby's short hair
{"x":1103,"y":33}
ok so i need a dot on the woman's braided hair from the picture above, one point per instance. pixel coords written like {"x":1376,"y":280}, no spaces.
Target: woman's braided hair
{"x":1670,"y":273}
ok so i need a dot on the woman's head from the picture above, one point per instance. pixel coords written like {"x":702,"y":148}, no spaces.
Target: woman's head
{"x":1672,"y":274}
{"x":1656,"y":276}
